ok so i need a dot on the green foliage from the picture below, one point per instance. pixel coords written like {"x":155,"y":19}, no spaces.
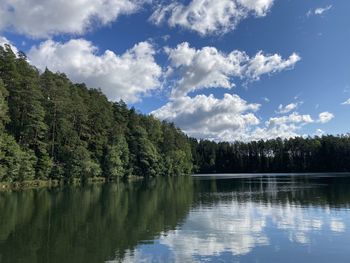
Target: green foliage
{"x":177,"y":151}
{"x":117,"y":158}
{"x":3,"y":106}
{"x":81,"y":165}
{"x":54,"y":129}
{"x":114,"y":165}
{"x":147,"y":156}
{"x":15,"y":163}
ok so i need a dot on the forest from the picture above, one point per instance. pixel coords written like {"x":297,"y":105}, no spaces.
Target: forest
{"x":318,"y":154}
{"x":52,"y":128}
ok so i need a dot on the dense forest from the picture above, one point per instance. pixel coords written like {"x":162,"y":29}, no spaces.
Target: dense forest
{"x":51,"y":128}
{"x":319,"y":154}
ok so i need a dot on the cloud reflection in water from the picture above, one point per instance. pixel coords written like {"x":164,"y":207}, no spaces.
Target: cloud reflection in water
{"x":237,"y":223}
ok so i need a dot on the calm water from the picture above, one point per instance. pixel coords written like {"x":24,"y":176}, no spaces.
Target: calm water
{"x":265,"y":218}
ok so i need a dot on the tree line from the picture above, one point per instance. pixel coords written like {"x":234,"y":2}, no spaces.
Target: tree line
{"x":51,"y":128}
{"x":319,"y":154}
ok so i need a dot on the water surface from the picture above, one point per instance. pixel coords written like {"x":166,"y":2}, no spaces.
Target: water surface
{"x":221,"y":218}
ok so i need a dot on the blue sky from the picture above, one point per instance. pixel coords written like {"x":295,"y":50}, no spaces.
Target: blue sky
{"x":283,"y":65}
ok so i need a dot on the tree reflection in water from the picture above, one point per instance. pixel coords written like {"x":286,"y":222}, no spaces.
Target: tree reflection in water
{"x":178,"y":219}
{"x":91,"y":223}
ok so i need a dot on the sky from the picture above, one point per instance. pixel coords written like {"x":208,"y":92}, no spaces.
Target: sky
{"x":221,"y":70}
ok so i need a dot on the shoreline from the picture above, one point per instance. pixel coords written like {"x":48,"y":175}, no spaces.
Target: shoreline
{"x":36,"y":184}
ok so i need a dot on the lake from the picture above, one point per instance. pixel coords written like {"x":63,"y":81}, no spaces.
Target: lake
{"x":204,"y":218}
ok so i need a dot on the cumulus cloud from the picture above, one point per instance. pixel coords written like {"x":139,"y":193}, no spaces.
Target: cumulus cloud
{"x":209,"y":117}
{"x":325,"y":117}
{"x":284,"y":127}
{"x":203,"y":68}
{"x":209,"y":17}
{"x":45,"y":18}
{"x":230,"y":118}
{"x":126,"y":76}
{"x":288,"y":108}
{"x":266,"y":64}
{"x":287,"y":126}
{"x":319,"y":11}
{"x":208,"y":67}
{"x":292,"y":118}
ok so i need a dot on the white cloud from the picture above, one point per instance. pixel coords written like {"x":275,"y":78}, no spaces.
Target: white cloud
{"x":319,"y":11}
{"x":265,"y":64}
{"x":209,"y":117}
{"x":4,"y":40}
{"x":325,"y":117}
{"x":49,"y":17}
{"x":347,"y":102}
{"x":292,"y":118}
{"x":126,"y":76}
{"x":284,"y":127}
{"x":288,"y":108}
{"x":210,"y":17}
{"x":260,"y":7}
{"x":288,"y":126}
{"x":229,"y":119}
{"x":203,"y":68}
{"x":209,"y":68}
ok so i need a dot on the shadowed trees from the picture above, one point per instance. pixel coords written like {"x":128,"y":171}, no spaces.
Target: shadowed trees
{"x":318,"y":154}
